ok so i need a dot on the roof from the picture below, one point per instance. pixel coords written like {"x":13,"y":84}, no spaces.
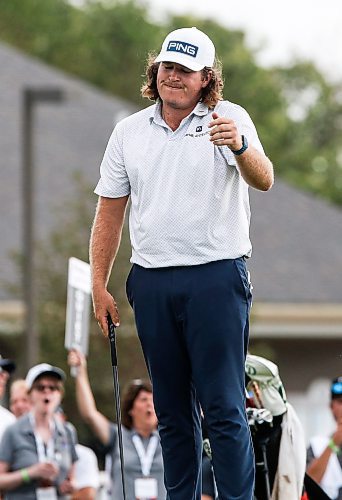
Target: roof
{"x":297,"y":242}
{"x":297,"y":238}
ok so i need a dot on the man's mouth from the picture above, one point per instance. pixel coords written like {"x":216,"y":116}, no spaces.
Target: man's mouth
{"x":175,"y":87}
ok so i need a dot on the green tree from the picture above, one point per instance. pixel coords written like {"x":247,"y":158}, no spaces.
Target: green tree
{"x":297,"y":112}
{"x":312,"y":155}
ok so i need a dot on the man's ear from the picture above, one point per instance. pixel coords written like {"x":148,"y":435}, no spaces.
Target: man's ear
{"x":206,"y":78}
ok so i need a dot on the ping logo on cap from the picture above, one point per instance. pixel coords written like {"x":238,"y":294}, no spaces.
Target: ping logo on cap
{"x":182,"y":47}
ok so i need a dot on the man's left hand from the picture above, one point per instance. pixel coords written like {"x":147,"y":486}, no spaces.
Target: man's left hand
{"x":224,"y":132}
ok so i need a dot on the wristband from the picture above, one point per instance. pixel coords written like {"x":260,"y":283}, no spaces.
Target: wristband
{"x":25,"y":476}
{"x":336,"y":449}
{"x":243,"y":148}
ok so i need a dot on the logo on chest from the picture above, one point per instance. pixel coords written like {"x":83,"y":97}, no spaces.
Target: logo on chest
{"x":198,"y":132}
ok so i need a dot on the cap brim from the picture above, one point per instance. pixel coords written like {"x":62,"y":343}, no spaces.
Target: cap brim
{"x":7,"y":365}
{"x":52,"y":373}
{"x":179,"y":59}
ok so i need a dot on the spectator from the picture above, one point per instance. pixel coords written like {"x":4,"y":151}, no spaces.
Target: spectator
{"x":324,"y":457}
{"x":19,"y":398}
{"x":37,"y":452}
{"x":143,"y":456}
{"x":6,"y":417}
{"x":87,"y":478}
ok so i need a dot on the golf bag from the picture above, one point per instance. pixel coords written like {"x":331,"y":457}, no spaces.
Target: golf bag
{"x":279,"y":459}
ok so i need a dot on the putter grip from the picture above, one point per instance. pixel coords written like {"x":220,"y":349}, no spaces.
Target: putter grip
{"x":112,"y":340}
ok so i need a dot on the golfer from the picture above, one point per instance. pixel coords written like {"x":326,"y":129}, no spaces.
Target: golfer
{"x":186,"y":163}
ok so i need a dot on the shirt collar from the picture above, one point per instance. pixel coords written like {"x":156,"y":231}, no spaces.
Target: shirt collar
{"x":155,"y":115}
{"x":28,"y":424}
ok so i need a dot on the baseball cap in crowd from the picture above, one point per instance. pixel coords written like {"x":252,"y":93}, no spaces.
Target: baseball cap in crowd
{"x":6,"y":365}
{"x":43,"y":369}
{"x":336,"y":388}
{"x":189,"y":47}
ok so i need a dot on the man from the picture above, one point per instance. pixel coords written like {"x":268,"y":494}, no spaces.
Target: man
{"x":186,"y":163}
{"x":6,"y":417}
{"x":324,"y":454}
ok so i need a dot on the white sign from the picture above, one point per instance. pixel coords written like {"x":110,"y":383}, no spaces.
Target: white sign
{"x":79,"y":275}
{"x":78,"y":306}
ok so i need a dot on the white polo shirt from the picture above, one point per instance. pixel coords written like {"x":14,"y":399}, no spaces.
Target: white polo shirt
{"x":189,"y":203}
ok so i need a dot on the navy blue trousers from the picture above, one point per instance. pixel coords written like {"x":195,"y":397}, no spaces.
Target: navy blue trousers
{"x":193,"y":325}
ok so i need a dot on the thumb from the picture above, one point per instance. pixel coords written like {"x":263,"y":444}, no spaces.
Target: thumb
{"x":215,"y":115}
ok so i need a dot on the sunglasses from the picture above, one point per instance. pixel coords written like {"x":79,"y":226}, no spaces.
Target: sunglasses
{"x":42,"y":387}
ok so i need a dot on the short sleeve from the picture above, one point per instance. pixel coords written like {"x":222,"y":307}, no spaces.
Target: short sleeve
{"x":6,"y":446}
{"x":86,"y":471}
{"x":113,"y":436}
{"x":114,"y":182}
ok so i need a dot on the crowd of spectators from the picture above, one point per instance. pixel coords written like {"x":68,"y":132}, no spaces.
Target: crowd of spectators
{"x":41,"y":458}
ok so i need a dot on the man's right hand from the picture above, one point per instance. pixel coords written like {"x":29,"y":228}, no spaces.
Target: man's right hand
{"x":104,"y":304}
{"x":44,"y":471}
{"x":77,"y":360}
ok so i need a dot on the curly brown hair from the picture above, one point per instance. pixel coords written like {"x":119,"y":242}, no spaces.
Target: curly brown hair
{"x":210,"y":95}
{"x":131,"y":392}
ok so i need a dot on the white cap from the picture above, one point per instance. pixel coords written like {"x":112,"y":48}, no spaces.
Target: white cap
{"x":43,"y":369}
{"x":189,"y":47}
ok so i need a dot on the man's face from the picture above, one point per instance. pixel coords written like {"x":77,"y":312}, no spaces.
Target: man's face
{"x":4,"y":376}
{"x":45,"y":394}
{"x":142,"y":412}
{"x":19,"y":401}
{"x":336,"y":408}
{"x":180,"y":87}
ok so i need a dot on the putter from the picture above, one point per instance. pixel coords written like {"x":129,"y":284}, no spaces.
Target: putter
{"x":112,"y":340}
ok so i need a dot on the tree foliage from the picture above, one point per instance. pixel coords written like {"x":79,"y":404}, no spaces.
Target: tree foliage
{"x":297,"y":112}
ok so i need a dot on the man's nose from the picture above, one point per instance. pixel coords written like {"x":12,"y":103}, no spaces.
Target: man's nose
{"x":174,"y":74}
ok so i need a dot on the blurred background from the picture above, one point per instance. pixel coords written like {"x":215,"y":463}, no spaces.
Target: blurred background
{"x":68,"y":72}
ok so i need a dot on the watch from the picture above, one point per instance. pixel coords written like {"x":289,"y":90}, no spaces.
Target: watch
{"x":244,"y":146}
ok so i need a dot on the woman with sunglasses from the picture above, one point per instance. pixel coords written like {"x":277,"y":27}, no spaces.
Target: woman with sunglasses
{"x":37,"y":452}
{"x":144,"y":473}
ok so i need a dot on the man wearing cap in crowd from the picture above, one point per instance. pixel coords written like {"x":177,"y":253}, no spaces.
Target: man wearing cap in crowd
{"x":324,"y":456}
{"x":186,"y":163}
{"x":37,"y":452}
{"x":6,"y":417}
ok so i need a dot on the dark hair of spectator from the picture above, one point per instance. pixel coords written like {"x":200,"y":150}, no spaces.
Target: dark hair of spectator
{"x":130,"y":394}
